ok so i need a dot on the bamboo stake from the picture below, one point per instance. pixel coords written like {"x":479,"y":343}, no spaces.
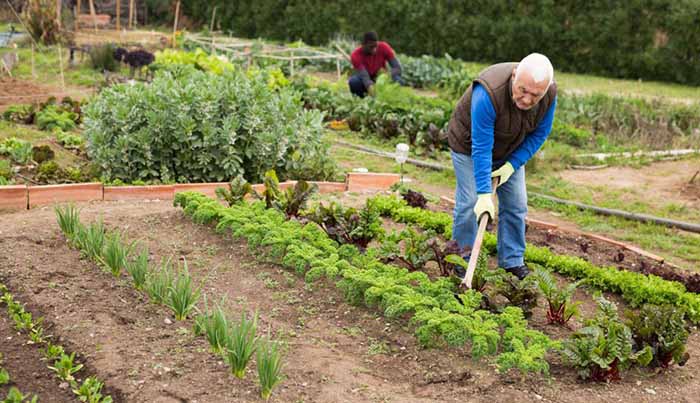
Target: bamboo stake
{"x":92,"y":13}
{"x":131,"y":13}
{"x":213,"y":17}
{"x":60,"y":63}
{"x":136,"y":13}
{"x":119,"y":14}
{"x":177,"y":14}
{"x":33,"y":71}
{"x":76,"y":15}
{"x":58,"y":14}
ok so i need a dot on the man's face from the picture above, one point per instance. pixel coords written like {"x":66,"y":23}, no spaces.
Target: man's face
{"x":526,"y":92}
{"x":370,"y":48}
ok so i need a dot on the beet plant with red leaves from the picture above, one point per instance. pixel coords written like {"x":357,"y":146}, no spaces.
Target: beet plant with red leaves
{"x":664,"y":329}
{"x":415,"y":199}
{"x":441,"y":251}
{"x":604,"y":347}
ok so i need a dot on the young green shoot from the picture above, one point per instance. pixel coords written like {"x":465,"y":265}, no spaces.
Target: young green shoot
{"x":138,"y":269}
{"x":68,"y":218}
{"x":158,"y":283}
{"x":90,"y":391}
{"x":214,"y":326}
{"x":241,"y":344}
{"x":65,"y":367}
{"x":269,"y":363}
{"x":115,"y":254}
{"x":182,"y":297}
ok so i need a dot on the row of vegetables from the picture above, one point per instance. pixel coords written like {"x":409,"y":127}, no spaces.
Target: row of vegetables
{"x":333,"y":243}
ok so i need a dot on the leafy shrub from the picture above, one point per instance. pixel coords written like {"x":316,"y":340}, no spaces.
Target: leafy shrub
{"x":102,"y":58}
{"x":190,"y":126}
{"x":40,"y":16}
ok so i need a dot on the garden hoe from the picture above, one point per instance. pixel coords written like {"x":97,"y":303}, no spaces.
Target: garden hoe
{"x":476,"y":249}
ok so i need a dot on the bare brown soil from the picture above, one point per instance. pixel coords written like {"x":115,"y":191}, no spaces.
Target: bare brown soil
{"x":15,"y":91}
{"x":335,"y":352}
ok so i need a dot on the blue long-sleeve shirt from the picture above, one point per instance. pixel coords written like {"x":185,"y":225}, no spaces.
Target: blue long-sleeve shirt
{"x":483,"y":122}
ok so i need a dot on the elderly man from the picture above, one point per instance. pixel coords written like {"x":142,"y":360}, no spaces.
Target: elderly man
{"x":367,"y":60}
{"x":500,"y":122}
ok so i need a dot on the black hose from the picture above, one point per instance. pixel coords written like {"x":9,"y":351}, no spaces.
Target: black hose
{"x":624,"y":214}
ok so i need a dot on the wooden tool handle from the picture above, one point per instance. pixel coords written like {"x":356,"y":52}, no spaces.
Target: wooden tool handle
{"x":476,"y":248}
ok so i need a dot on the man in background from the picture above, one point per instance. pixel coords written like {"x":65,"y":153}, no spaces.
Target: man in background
{"x":367,"y":60}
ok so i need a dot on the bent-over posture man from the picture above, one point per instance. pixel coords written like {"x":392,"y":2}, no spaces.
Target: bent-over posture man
{"x":367,"y":60}
{"x":502,"y":119}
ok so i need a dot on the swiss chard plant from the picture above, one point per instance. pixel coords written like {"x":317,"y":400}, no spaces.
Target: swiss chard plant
{"x":293,"y":199}
{"x":409,"y":247}
{"x":604,"y":347}
{"x":560,"y":307}
{"x":348,"y":226}
{"x":663,"y":329}
{"x":237,"y":190}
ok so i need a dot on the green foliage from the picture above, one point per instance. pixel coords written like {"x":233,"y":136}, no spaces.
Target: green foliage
{"x":20,"y":151}
{"x":51,"y":118}
{"x":90,"y":391}
{"x":439,"y":317}
{"x":159,"y":283}
{"x":414,"y":254}
{"x":181,"y":296}
{"x":4,"y":377}
{"x":191,"y":126}
{"x":237,"y":190}
{"x":602,"y":349}
{"x":138,"y":269}
{"x":42,"y":153}
{"x":199,"y":59}
{"x":65,"y":366}
{"x":40,"y":19}
{"x":241,"y":344}
{"x":5,"y":169}
{"x":520,"y":293}
{"x":269,"y":363}
{"x":482,"y":274}
{"x":68,"y":218}
{"x":664,"y":330}
{"x":272,"y":188}
{"x":215,"y":326}
{"x":20,"y":114}
{"x":115,"y":254}
{"x":561,"y":309}
{"x":91,"y":240}
{"x":661,"y":32}
{"x":15,"y":396}
{"x":348,"y":226}
{"x":68,"y":140}
{"x":293,"y":199}
{"x":636,"y":288}
{"x":102,"y":58}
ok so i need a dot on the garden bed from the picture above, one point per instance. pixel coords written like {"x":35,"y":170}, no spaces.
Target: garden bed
{"x":336,"y":352}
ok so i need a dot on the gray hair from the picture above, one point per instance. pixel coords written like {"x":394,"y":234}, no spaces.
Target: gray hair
{"x":539,"y":66}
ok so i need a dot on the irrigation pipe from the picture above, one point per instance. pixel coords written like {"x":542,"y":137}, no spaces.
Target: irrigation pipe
{"x":624,"y":214}
{"x":691,"y":227}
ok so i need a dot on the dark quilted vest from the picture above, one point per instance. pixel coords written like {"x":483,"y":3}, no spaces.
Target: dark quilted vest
{"x":512,"y":124}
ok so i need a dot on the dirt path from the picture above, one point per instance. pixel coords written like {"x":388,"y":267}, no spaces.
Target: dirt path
{"x":336,"y":352}
{"x":661,"y":182}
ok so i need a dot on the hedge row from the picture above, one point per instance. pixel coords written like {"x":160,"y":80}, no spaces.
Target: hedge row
{"x":648,"y":39}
